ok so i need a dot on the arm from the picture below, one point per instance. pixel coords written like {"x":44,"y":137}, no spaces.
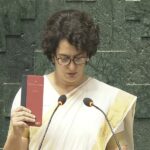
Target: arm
{"x":18,"y":132}
{"x":14,"y":142}
{"x":122,"y":141}
{"x":123,"y":147}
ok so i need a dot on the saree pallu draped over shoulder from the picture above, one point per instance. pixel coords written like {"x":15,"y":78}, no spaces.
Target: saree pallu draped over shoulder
{"x":78,"y":127}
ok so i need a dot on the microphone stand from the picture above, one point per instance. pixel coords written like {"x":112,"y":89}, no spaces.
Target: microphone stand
{"x":48,"y":126}
{"x":115,"y":138}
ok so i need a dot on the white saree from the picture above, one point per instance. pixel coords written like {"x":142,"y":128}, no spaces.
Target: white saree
{"x":78,"y":127}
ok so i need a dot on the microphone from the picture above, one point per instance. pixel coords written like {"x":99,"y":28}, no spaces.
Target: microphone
{"x":61,"y":100}
{"x":88,"y":102}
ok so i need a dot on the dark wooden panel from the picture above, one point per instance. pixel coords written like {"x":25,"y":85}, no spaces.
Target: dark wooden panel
{"x":1,"y":107}
{"x":139,"y":12}
{"x":146,"y":32}
{"x":28,"y":9}
{"x":41,"y":63}
{"x":2,"y":32}
{"x":80,"y":0}
{"x":143,"y":94}
{"x":3,"y":130}
{"x":11,"y":18}
{"x":133,"y":11}
{"x":142,"y":134}
{"x":9,"y":91}
{"x":19,"y":58}
{"x":2,"y":43}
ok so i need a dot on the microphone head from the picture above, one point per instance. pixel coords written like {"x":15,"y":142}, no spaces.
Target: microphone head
{"x":62,"y":99}
{"x":88,"y":102}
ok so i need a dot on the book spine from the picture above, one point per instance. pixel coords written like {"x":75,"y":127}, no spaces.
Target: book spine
{"x":23,"y":90}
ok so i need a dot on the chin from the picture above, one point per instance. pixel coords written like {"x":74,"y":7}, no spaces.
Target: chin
{"x":71,"y":80}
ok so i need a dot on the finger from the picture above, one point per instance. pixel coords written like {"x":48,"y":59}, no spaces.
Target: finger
{"x":23,"y":119}
{"x":22,"y":108}
{"x":23,"y":113}
{"x":21,"y":124}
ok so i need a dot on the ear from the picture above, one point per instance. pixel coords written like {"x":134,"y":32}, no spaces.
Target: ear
{"x":53,"y":60}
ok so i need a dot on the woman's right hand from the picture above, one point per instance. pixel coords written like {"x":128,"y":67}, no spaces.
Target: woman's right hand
{"x":20,"y":118}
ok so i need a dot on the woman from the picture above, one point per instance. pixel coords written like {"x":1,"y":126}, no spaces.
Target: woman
{"x":70,"y":39}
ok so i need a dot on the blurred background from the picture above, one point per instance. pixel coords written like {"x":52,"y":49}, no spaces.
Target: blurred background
{"x":122,"y":59}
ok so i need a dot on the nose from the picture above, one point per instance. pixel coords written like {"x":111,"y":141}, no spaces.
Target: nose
{"x":72,"y":66}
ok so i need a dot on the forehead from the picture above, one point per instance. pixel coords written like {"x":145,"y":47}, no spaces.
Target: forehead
{"x":66,"y":48}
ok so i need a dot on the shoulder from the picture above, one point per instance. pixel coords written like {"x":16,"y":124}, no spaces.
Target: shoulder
{"x":99,"y":85}
{"x":109,"y":91}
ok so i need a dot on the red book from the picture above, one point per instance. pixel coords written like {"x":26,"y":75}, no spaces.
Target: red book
{"x":32,"y":96}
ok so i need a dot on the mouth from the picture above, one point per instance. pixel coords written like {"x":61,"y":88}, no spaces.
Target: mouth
{"x":72,"y":74}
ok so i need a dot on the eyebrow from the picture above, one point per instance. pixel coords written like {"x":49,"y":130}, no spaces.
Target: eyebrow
{"x":60,"y":54}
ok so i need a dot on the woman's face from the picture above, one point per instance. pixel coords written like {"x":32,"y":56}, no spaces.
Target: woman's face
{"x":69,"y":71}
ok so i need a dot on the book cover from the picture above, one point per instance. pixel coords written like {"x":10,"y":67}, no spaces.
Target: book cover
{"x":32,"y":96}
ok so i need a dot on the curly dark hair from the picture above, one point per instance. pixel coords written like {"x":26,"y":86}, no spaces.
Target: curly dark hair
{"x":77,"y":27}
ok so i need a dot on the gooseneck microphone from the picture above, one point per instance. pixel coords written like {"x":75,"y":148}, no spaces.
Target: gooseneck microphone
{"x":61,"y":100}
{"x":88,"y":102}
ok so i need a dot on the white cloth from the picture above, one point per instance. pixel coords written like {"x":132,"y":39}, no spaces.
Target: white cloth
{"x":74,"y":125}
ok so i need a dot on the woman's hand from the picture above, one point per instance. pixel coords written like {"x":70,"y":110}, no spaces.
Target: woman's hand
{"x":20,"y":118}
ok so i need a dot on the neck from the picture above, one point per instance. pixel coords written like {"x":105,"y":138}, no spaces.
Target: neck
{"x":64,"y":87}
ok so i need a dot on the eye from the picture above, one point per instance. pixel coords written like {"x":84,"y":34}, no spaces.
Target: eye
{"x":77,"y":58}
{"x":64,"y":58}
{"x":80,"y":60}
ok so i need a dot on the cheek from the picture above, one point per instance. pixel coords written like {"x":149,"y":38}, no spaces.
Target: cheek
{"x":82,"y":68}
{"x":60,"y":69}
